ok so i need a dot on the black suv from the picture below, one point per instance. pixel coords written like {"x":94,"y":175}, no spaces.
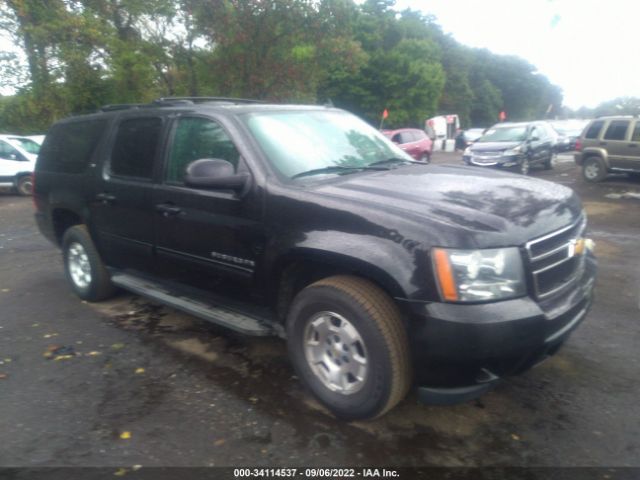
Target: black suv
{"x":305,"y":222}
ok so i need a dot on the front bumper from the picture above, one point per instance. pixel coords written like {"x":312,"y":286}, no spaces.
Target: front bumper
{"x":459,"y":351}
{"x":503,"y":161}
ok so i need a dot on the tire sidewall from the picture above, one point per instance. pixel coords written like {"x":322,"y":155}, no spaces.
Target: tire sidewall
{"x":20,"y":182}
{"x":75,"y":235}
{"x":596,"y":161}
{"x":375,"y":392}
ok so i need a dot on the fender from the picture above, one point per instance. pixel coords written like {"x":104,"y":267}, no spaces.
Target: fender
{"x":596,"y":152}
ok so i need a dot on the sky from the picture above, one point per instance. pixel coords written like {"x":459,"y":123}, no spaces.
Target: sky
{"x":589,"y":48}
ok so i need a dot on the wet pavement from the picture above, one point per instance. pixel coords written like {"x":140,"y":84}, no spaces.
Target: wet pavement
{"x":141,"y":384}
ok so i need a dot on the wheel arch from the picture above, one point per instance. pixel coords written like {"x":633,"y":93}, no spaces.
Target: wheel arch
{"x":301,"y":268}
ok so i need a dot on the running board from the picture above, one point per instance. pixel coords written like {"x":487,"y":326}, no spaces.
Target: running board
{"x":218,"y":314}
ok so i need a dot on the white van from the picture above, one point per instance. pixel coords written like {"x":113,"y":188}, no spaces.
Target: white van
{"x":17,"y":160}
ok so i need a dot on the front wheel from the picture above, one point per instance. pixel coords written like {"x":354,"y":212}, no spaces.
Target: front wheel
{"x":524,"y":166}
{"x":548,"y":163}
{"x":349,"y":346}
{"x":83,"y":266}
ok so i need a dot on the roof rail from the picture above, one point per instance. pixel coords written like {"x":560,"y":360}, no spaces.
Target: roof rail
{"x":121,"y":106}
{"x":186,"y":100}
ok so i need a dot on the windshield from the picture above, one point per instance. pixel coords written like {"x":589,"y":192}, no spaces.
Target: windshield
{"x":27,"y":144}
{"x":301,"y":141}
{"x":504,"y":134}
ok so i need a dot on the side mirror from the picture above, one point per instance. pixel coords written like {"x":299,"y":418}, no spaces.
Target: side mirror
{"x":214,"y":173}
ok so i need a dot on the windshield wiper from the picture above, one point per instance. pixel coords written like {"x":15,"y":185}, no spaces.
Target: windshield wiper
{"x":335,"y":169}
{"x":395,"y":160}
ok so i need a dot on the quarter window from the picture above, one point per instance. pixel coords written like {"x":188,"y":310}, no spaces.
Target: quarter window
{"x":594,"y":130}
{"x":617,"y":130}
{"x":636,"y":133}
{"x":68,"y":147}
{"x":135,"y":147}
{"x":196,"y":138}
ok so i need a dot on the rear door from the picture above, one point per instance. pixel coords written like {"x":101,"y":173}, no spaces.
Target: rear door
{"x":205,"y":234}
{"x":632,"y":155}
{"x":121,"y":210}
{"x":12,"y":162}
{"x":615,"y":141}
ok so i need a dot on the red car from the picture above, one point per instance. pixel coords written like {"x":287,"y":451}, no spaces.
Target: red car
{"x":413,"y":141}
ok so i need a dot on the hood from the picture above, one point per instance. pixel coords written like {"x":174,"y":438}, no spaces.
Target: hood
{"x":494,"y":208}
{"x":493,"y":146}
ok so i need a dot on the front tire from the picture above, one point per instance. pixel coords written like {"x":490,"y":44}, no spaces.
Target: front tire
{"x":593,"y":169}
{"x":349,"y":346}
{"x":84,"y":269}
{"x":524,"y":166}
{"x":548,"y":163}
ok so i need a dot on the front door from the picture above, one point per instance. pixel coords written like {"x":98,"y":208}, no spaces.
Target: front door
{"x":205,"y":235}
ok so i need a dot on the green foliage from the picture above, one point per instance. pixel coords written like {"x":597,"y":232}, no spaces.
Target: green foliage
{"x":80,"y":54}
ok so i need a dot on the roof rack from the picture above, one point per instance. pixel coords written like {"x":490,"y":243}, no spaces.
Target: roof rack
{"x":190,"y":100}
{"x":121,"y":106}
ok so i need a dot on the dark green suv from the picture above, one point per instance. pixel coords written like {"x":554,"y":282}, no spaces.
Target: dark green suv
{"x":609,"y":144}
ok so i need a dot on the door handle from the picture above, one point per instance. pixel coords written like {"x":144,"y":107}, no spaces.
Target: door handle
{"x":168,"y":210}
{"x":106,"y":198}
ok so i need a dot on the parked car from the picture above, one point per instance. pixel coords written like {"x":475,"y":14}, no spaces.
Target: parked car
{"x":513,"y":145}
{"x":568,"y":132}
{"x":17,"y":161}
{"x":305,"y":222}
{"x":467,"y":137}
{"x":413,"y":141}
{"x":609,"y":144}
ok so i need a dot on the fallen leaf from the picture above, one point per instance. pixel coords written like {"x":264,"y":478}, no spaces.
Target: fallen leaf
{"x":135,"y":468}
{"x":219,"y":442}
{"x":8,"y":360}
{"x":117,"y":346}
{"x":139,"y":370}
{"x":125,"y":435}
{"x":3,"y":376}
{"x":50,"y":335}
{"x":62,"y":357}
{"x":121,"y":472}
{"x":5,"y":290}
{"x":35,"y":325}
{"x":515,"y":437}
{"x":94,"y":353}
{"x":253,"y":400}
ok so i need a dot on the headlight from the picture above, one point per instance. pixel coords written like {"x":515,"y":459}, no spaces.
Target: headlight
{"x":479,"y":275}
{"x":513,"y":151}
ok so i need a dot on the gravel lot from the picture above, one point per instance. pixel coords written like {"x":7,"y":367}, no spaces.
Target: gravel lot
{"x":153,"y":387}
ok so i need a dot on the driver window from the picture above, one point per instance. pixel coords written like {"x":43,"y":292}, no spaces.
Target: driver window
{"x":197,"y":138}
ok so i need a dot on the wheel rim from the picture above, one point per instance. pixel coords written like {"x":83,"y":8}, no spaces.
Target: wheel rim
{"x":79,"y":266}
{"x":592,"y":170}
{"x":524,"y":167}
{"x":26,"y":186}
{"x":336,"y":353}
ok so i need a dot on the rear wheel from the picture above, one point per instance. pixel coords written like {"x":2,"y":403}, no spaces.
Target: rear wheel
{"x":349,"y":347}
{"x":83,"y":266}
{"x":593,"y":169}
{"x":24,"y":185}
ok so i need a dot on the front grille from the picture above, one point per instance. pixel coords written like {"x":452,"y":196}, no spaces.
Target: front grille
{"x":553,"y":263}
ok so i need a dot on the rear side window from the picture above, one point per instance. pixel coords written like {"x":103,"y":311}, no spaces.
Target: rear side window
{"x":594,"y":129}
{"x":617,"y":130}
{"x":134,"y":149}
{"x":69,"y":147}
